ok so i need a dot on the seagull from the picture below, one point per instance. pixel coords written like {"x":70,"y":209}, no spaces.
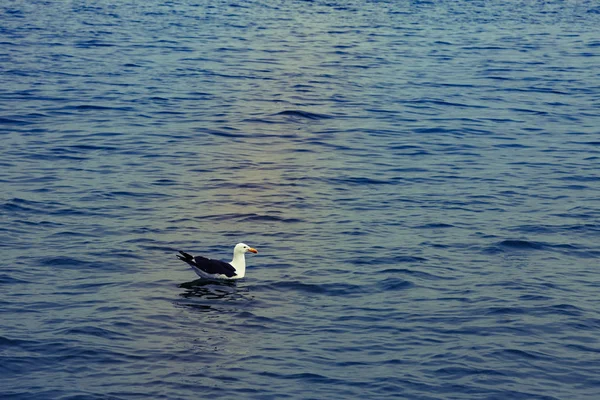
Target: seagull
{"x":215,"y":269}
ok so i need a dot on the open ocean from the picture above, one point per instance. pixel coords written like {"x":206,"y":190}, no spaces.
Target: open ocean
{"x":421,"y":180}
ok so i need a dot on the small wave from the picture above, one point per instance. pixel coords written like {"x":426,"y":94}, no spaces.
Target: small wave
{"x":461,"y":372}
{"x":564,"y":309}
{"x":304,"y":114}
{"x":6,"y":342}
{"x":61,"y":261}
{"x":8,"y":121}
{"x":418,"y":274}
{"x":521,"y":244}
{"x":302,"y":377}
{"x":505,"y":311}
{"x":29,"y":206}
{"x":72,"y":234}
{"x":529,"y":245}
{"x":534,"y":297}
{"x":363,"y":181}
{"x":260,"y":121}
{"x":214,"y":132}
{"x":75,"y":263}
{"x":435,"y":225}
{"x":93,"y":107}
{"x":445,"y":103}
{"x":436,"y":130}
{"x":329,"y":289}
{"x":522,"y":354}
{"x":395,"y":284}
{"x":7,"y":279}
{"x":94,"y":331}
{"x":249,"y":218}
{"x":93,"y":43}
{"x":86,"y":147}
{"x":270,"y":218}
{"x":583,"y":348}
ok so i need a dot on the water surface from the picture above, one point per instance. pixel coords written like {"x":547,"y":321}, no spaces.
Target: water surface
{"x":420,"y":179}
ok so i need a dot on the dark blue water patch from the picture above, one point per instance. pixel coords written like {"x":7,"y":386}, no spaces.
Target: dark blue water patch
{"x":363,"y":181}
{"x":89,"y":44}
{"x":222,"y":184}
{"x":303,"y":377}
{"x":94,"y":331}
{"x":73,"y":234}
{"x":532,"y":112}
{"x":565,"y":309}
{"x":11,"y":121}
{"x":61,"y":261}
{"x":270,"y":218}
{"x":411,"y":147}
{"x":6,"y":279}
{"x":505,"y":311}
{"x":409,"y":150}
{"x":299,"y":114}
{"x":437,"y":130}
{"x":95,"y":107}
{"x":29,"y":206}
{"x":534,"y":297}
{"x":515,"y":354}
{"x":462,"y":372}
{"x":520,"y":244}
{"x":443,"y":103}
{"x":303,"y":88}
{"x":580,"y":178}
{"x":513,"y":146}
{"x":39,"y":224}
{"x":384,"y":261}
{"x":527,"y":245}
{"x":86,"y":147}
{"x":315,"y":142}
{"x":355,"y":232}
{"x":435,"y":225}
{"x":67,"y":262}
{"x":228,"y":134}
{"x":6,"y":342}
{"x":416,"y":273}
{"x":165,"y":182}
{"x":263,"y":120}
{"x":394,"y":284}
{"x":71,"y":394}
{"x":252,"y":217}
{"x":326,"y":289}
{"x":56,"y":155}
{"x":554,"y":310}
{"x":584,"y":227}
{"x":583,"y":348}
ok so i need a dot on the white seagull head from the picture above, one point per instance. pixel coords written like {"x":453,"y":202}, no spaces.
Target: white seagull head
{"x":242,"y":248}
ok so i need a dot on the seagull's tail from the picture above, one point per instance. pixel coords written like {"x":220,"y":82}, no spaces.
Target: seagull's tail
{"x":186,"y":257}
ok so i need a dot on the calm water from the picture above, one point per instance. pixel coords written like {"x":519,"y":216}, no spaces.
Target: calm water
{"x":421,"y":179}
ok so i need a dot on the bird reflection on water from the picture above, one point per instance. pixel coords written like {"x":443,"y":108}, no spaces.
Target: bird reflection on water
{"x":204,"y":294}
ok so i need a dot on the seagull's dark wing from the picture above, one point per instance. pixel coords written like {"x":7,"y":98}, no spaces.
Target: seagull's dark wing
{"x":207,"y":265}
{"x":214,"y":266}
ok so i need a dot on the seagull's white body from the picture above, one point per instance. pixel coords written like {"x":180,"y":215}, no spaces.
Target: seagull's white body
{"x":215,"y":269}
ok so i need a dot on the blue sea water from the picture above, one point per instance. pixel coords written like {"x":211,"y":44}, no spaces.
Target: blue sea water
{"x":420,"y":178}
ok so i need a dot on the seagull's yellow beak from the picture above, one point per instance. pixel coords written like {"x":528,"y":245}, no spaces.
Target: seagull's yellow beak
{"x":252,"y":250}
